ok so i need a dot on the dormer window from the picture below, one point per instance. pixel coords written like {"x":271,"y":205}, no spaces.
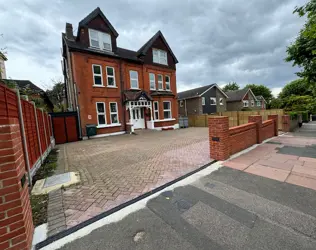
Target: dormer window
{"x":160,"y":56}
{"x":100,"y":40}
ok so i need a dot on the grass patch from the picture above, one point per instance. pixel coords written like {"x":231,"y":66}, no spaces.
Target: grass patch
{"x":48,"y":168}
{"x":39,"y":208}
{"x":39,"y":202}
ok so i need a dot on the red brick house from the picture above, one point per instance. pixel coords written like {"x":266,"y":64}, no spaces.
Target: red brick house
{"x":118,"y":89}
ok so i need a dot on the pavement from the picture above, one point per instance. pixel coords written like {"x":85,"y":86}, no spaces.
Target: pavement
{"x":114,"y":170}
{"x":288,"y":158}
{"x":235,"y":207}
{"x":228,"y":209}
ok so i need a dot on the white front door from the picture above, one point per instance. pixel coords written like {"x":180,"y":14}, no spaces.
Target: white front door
{"x":138,"y":118}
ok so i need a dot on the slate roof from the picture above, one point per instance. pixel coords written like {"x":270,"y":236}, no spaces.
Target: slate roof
{"x":132,"y":95}
{"x":143,"y":50}
{"x":94,"y":14}
{"x":192,"y":93}
{"x":237,"y":95}
{"x":121,"y":52}
{"x":22,"y":84}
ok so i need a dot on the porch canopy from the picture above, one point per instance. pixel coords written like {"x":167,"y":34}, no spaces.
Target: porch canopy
{"x":137,"y":99}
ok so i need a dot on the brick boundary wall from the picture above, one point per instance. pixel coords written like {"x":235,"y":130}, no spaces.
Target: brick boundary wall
{"x":225,"y":141}
{"x":242,"y":137}
{"x":16,"y":225}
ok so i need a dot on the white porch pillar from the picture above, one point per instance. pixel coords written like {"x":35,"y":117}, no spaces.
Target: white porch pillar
{"x":131,"y":117}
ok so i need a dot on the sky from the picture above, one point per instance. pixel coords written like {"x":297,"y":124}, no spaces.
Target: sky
{"x":215,"y":41}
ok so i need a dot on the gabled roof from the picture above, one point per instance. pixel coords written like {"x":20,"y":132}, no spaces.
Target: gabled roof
{"x":238,"y":95}
{"x":94,"y":14}
{"x":143,"y":50}
{"x":132,"y":95}
{"x":197,"y":92}
{"x":261,"y":98}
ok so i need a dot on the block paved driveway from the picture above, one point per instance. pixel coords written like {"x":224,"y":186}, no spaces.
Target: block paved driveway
{"x":289,"y":158}
{"x":116,"y":169}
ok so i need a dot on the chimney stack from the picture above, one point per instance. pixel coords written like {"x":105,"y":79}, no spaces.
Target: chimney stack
{"x":69,"y":32}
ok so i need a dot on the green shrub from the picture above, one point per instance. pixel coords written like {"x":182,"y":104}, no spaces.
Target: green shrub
{"x":304,"y":115}
{"x":293,"y":115}
{"x":246,"y":109}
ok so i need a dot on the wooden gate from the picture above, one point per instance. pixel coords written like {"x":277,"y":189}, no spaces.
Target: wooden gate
{"x":65,"y":127}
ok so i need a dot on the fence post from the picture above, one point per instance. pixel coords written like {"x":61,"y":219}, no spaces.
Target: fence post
{"x":38,"y":133}
{"x":258,"y":120}
{"x":238,"y":123}
{"x":205,"y":120}
{"x":219,"y":137}
{"x":286,"y":123}
{"x":44,"y":128}
{"x":23,"y":136}
{"x":275,"y":118}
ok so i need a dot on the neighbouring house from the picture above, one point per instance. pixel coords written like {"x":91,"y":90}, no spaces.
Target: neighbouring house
{"x":242,"y":99}
{"x":261,"y":102}
{"x":115,"y":88}
{"x":203,"y":100}
{"x":3,"y":58}
{"x":31,"y":92}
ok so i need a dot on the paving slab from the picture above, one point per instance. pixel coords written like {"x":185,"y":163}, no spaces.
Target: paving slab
{"x":268,"y":172}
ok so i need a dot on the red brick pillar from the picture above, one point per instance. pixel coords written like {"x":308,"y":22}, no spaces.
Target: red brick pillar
{"x":219,"y":137}
{"x":258,"y":120}
{"x":286,"y":123}
{"x":275,"y":118}
{"x":16,"y":225}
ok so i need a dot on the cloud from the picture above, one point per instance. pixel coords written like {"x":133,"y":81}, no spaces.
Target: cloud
{"x":214,"y":40}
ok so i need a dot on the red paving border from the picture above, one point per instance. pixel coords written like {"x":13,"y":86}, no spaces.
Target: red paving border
{"x":264,"y":161}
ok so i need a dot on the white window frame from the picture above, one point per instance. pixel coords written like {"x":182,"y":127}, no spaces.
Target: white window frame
{"x":117,"y":113}
{"x":158,"y":58}
{"x":181,"y":104}
{"x":212,"y":99}
{"x":221,"y":101}
{"x":160,"y":82}
{"x":156,"y":111}
{"x":130,"y":79}
{"x":94,"y":74}
{"x":102,"y":113}
{"x":167,"y":110}
{"x":252,"y":103}
{"x":167,"y":83}
{"x":100,"y":40}
{"x":203,"y":101}
{"x":246,"y":103}
{"x":152,"y":81}
{"x":258,"y":103}
{"x":107,"y":77}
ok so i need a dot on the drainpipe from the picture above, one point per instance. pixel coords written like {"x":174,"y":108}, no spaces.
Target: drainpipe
{"x":26,"y":156}
{"x":78,"y":111}
{"x":122,"y":97}
{"x":185,"y":107}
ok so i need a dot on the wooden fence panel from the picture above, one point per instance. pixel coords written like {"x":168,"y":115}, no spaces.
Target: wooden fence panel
{"x":235,"y":117}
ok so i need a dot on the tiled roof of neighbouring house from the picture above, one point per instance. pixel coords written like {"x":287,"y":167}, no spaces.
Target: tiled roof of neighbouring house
{"x":238,"y":95}
{"x":192,"y":93}
{"x":24,"y":84}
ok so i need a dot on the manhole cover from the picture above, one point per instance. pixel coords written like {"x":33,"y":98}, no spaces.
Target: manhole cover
{"x":57,"y":180}
{"x":168,"y":194}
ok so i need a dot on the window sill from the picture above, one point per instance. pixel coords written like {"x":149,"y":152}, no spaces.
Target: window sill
{"x":98,"y":86}
{"x":109,"y":125}
{"x":111,"y":87}
{"x":165,"y":120}
{"x":135,"y":88}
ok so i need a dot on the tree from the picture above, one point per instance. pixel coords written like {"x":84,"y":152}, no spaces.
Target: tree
{"x":261,"y":90}
{"x":300,"y":103}
{"x":232,"y":86}
{"x":296,"y":87}
{"x":275,"y":103}
{"x":303,"y":51}
{"x":56,"y":95}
